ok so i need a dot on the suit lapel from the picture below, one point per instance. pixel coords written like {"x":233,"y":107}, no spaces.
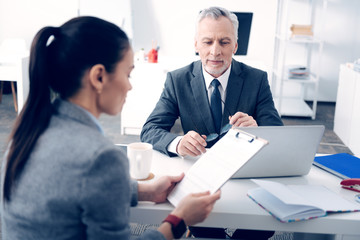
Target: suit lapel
{"x":201,"y":98}
{"x":233,"y":90}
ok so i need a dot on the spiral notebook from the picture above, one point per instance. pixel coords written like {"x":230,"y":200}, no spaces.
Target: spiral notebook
{"x":218,"y":164}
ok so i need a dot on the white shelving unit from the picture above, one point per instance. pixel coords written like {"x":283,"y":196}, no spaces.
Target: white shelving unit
{"x":290,"y":94}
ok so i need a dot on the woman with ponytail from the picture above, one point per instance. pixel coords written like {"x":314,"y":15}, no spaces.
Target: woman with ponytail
{"x":61,"y":178}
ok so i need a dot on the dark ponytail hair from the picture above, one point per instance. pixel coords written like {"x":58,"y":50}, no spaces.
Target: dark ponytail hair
{"x":59,"y":58}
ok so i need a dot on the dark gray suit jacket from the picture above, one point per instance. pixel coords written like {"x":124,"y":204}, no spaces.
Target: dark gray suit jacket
{"x":185,"y":96}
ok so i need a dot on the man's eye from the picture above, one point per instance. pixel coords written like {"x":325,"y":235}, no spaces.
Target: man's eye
{"x":224,"y":43}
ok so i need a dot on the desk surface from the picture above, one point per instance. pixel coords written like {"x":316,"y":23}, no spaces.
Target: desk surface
{"x":236,"y":210}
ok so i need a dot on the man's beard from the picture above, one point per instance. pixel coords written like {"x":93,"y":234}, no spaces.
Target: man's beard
{"x":217,"y":71}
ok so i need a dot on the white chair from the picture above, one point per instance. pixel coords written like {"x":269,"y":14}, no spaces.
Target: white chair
{"x":13,"y":55}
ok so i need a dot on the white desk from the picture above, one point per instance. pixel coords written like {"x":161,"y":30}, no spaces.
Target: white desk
{"x":236,"y":210}
{"x":16,"y":69}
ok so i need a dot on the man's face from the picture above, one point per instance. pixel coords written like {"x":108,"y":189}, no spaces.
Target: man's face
{"x":216,"y":43}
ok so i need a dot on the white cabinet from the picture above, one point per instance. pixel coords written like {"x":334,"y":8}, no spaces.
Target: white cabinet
{"x":291,"y":92}
{"x":147,"y":80}
{"x":347,"y":110}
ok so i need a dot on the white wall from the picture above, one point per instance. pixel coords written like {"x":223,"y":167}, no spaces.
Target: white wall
{"x":115,"y":11}
{"x":172,"y":25}
{"x":341,"y":35}
{"x":23,"y":18}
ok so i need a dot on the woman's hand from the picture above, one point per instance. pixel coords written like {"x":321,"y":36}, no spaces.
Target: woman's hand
{"x":159,"y":190}
{"x":195,"y":207}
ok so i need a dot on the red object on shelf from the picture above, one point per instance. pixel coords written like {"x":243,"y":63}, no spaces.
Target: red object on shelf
{"x":153,"y":56}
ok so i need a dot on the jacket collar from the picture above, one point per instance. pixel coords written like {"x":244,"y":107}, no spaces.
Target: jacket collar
{"x":76,"y":113}
{"x":200,"y":96}
{"x":233,"y":91}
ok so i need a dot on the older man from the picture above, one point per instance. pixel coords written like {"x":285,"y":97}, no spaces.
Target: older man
{"x":209,"y":94}
{"x":245,"y":95}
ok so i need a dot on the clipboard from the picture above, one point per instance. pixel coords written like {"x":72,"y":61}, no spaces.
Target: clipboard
{"x":214,"y":168}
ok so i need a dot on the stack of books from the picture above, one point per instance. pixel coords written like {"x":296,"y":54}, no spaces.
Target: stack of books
{"x":301,"y":31}
{"x":298,"y":72}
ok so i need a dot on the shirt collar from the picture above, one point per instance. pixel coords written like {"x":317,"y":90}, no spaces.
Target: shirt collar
{"x":223,"y":79}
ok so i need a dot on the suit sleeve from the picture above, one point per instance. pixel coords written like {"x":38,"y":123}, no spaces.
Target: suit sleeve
{"x":157,"y":128}
{"x":266,"y":113}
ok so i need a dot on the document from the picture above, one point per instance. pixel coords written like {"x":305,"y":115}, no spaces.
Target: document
{"x":291,"y":203}
{"x":218,"y":164}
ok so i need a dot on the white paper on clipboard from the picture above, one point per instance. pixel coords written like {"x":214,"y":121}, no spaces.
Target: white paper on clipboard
{"x":218,"y":164}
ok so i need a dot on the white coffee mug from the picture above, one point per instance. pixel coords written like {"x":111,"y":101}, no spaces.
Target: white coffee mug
{"x":140,"y":158}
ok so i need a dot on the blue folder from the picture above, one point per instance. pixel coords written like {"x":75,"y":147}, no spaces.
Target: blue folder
{"x":342,"y":165}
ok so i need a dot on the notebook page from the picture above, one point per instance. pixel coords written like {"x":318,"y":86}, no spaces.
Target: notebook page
{"x":324,"y":198}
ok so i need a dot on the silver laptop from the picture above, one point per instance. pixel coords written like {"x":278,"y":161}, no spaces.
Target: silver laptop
{"x":290,"y":152}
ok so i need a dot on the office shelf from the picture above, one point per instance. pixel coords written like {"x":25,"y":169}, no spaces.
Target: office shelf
{"x":284,"y":76}
{"x":303,"y":51}
{"x":293,"y":107}
{"x":298,"y":40}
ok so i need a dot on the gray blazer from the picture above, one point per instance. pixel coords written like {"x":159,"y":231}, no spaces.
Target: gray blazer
{"x":76,"y":185}
{"x":185,"y":96}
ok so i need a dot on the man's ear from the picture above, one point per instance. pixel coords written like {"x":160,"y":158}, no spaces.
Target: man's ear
{"x":97,"y":77}
{"x":195,"y":45}
{"x":236,"y":47}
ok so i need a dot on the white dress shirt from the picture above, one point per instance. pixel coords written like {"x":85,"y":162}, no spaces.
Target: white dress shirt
{"x":223,"y":79}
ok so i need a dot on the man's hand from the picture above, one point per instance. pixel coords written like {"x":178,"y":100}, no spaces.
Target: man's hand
{"x":192,"y":144}
{"x":241,"y":119}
